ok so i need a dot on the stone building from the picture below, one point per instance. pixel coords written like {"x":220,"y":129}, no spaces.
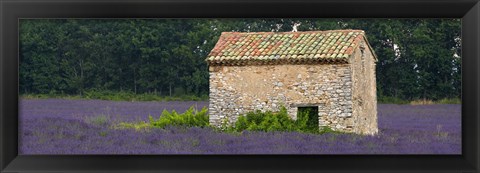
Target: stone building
{"x":332,"y":72}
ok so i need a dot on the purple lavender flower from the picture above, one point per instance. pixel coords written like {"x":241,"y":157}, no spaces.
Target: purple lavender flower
{"x":56,"y":126}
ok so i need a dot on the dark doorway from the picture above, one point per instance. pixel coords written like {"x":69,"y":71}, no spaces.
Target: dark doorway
{"x":310,"y":114}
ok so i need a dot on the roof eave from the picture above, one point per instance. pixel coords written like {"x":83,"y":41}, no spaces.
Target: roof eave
{"x":370,"y":47}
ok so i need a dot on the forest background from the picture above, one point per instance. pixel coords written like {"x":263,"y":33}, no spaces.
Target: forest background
{"x":158,"y":59}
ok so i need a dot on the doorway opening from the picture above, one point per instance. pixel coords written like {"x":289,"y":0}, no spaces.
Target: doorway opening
{"x":310,"y":115}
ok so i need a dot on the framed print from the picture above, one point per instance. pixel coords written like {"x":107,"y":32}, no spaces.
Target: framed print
{"x":239,"y":86}
{"x":90,"y":86}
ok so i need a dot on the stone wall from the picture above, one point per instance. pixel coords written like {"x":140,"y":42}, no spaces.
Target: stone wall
{"x":236,"y":90}
{"x":364,"y":92}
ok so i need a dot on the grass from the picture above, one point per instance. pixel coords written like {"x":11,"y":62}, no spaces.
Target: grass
{"x":440,"y":133}
{"x":394,"y":100}
{"x":450,"y":101}
{"x":98,"y":120}
{"x":390,"y":100}
{"x":130,"y":96}
{"x":139,"y":126}
{"x":118,"y":96}
{"x":431,"y":102}
{"x":422,"y":102}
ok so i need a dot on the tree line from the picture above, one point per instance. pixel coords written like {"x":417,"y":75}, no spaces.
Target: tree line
{"x":418,"y":58}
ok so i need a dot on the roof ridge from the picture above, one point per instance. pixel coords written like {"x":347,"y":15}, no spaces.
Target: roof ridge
{"x":299,"y":32}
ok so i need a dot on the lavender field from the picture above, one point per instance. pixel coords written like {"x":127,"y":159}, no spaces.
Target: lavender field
{"x":57,"y":126}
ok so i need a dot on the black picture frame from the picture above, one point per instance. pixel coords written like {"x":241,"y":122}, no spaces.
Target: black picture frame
{"x":12,"y":10}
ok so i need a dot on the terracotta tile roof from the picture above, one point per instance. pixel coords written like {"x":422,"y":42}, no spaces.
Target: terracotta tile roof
{"x":326,"y":46}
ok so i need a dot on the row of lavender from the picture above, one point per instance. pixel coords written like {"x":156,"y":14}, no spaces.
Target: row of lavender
{"x":56,"y":126}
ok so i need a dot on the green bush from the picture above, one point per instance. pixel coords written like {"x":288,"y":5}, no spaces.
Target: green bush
{"x":279,"y":121}
{"x":252,"y":121}
{"x":190,"y":118}
{"x":307,"y":121}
